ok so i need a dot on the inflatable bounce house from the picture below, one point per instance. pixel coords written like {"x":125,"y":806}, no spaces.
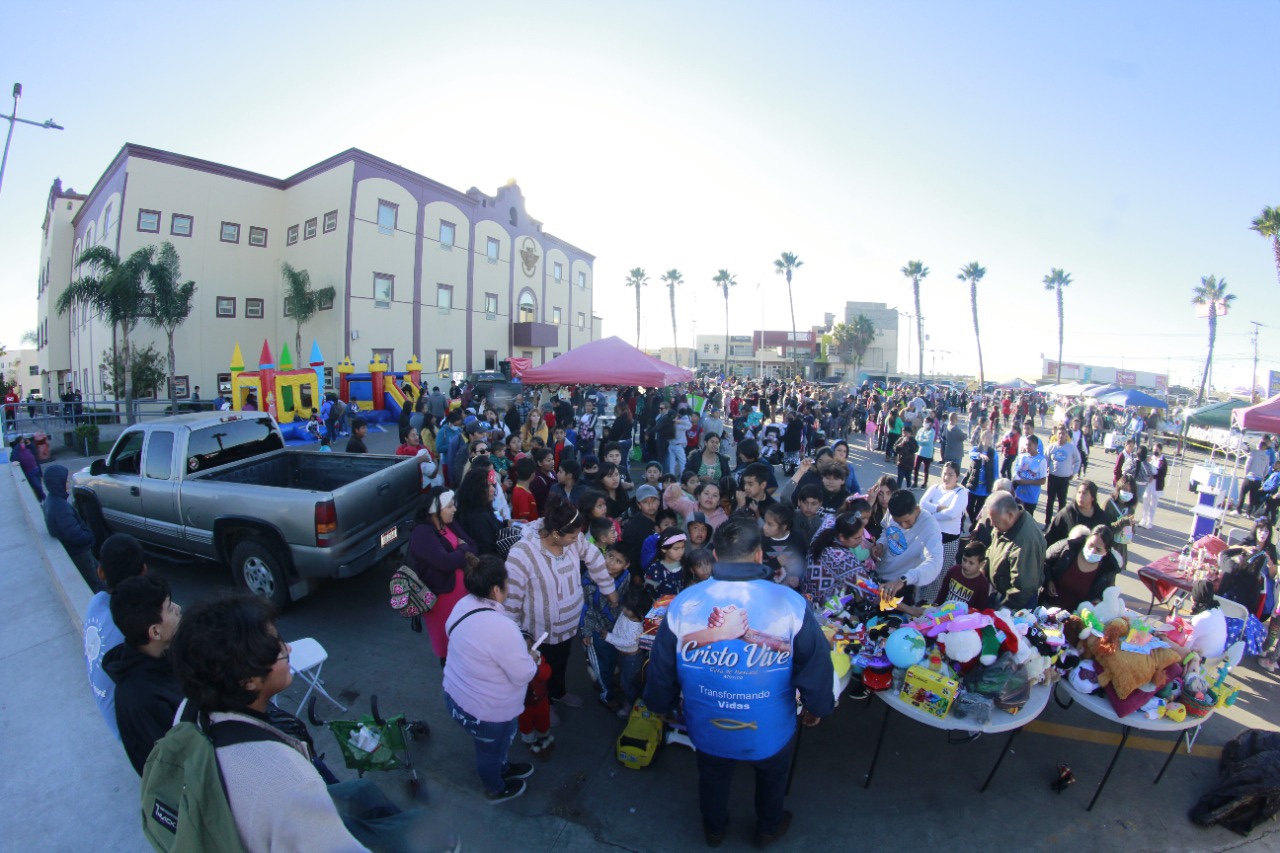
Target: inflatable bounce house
{"x":291,"y":394}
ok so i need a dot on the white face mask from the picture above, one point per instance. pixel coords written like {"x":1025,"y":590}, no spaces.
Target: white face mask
{"x":1092,"y":556}
{"x":1125,"y":497}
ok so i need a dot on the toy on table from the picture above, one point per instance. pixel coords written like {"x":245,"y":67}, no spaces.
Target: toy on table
{"x":905,"y":647}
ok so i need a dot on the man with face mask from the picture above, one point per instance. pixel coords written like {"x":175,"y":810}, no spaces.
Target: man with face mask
{"x":909,"y":550}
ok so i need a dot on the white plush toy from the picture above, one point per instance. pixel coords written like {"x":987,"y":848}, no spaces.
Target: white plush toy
{"x":961,"y":646}
{"x":1111,"y":606}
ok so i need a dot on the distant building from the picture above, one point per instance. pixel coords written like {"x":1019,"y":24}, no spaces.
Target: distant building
{"x":881,"y":357}
{"x":22,"y":367}
{"x":462,"y":280}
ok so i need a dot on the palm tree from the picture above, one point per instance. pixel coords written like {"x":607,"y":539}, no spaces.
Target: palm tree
{"x":29,"y":337}
{"x":1268,"y":225}
{"x":864,"y":332}
{"x":1055,"y":281}
{"x":915,"y":271}
{"x":786,"y":265}
{"x":169,"y":303}
{"x":301,"y":301}
{"x":725,"y":280}
{"x":637,"y":279}
{"x":842,"y":334}
{"x":1212,"y":293}
{"x":113,"y":289}
{"x":973,"y":274}
{"x":673,"y":278}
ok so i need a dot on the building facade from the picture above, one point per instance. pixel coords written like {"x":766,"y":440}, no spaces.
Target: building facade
{"x":745,"y":358}
{"x":882,"y":355}
{"x":462,"y":280}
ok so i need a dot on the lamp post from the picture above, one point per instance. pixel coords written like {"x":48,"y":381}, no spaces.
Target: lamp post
{"x":47,"y":124}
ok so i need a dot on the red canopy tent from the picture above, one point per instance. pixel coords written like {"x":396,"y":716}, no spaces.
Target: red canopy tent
{"x":1262,"y":417}
{"x":608,"y":361}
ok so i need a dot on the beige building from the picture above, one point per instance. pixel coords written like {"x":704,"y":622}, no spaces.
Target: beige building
{"x":462,"y":280}
{"x":745,"y":359}
{"x":882,"y":356}
{"x":22,"y":367}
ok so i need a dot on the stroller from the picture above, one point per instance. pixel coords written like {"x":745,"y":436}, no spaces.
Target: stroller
{"x":372,"y":743}
{"x":771,"y":444}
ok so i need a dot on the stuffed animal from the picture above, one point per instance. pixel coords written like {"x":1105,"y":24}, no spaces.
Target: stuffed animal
{"x":1111,"y":606}
{"x":1175,"y":711}
{"x":963,"y":647}
{"x":1127,"y":671}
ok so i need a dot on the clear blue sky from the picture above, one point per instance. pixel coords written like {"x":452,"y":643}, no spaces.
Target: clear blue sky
{"x":1130,"y":144}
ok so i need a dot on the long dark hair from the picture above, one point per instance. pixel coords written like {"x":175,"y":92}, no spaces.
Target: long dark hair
{"x":847,"y":524}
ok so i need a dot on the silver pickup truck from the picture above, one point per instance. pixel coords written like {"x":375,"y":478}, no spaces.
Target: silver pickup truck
{"x":222,"y":486}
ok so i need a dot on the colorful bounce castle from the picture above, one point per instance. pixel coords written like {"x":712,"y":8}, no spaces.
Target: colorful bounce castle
{"x":290,"y":393}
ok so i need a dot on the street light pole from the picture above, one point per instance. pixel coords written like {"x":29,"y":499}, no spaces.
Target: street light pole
{"x":47,"y":124}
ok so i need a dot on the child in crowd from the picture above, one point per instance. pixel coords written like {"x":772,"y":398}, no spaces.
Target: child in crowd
{"x":524,"y":507}
{"x":604,"y":533}
{"x":534,"y":721}
{"x":698,"y":530}
{"x":598,"y":616}
{"x":681,"y":498}
{"x":664,"y":519}
{"x":695,"y":566}
{"x":809,"y":518}
{"x":314,"y":425}
{"x":966,"y":582}
{"x":625,"y":637}
{"x":653,"y":475}
{"x":905,"y":451}
{"x":837,"y":556}
{"x":662,"y":577}
{"x":783,"y":549}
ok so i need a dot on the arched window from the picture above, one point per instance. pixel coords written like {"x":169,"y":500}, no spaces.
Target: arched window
{"x":528,"y":307}
{"x":515,"y":218}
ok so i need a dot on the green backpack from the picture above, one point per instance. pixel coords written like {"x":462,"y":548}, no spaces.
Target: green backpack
{"x":184,"y":798}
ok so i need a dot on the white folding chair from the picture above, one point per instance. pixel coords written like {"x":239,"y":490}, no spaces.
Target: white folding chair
{"x":306,"y":660}
{"x":1236,"y":536}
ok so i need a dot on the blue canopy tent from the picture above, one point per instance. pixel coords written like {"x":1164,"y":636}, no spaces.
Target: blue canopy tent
{"x":1132,"y":397}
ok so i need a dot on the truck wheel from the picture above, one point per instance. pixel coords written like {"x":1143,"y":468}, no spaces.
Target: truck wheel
{"x":258,"y":569}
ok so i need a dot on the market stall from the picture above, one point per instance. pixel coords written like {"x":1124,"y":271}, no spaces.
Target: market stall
{"x":609,"y":361}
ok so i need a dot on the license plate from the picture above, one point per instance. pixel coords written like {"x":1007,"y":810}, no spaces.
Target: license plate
{"x":390,"y":536}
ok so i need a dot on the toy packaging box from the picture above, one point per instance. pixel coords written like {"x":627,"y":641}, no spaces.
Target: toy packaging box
{"x":929,"y":691}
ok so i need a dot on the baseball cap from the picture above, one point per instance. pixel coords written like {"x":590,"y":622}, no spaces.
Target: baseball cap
{"x":646,"y":491}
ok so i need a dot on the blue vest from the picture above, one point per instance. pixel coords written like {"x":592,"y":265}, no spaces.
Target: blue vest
{"x":101,"y":636}
{"x":739,"y":701}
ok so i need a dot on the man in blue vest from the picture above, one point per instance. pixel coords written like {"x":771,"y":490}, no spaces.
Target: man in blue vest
{"x":739,"y":647}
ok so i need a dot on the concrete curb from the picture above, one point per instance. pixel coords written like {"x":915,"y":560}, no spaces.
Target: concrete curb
{"x":72,"y":592}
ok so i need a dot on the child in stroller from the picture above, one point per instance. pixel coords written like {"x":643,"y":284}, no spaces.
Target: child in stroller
{"x":771,"y":444}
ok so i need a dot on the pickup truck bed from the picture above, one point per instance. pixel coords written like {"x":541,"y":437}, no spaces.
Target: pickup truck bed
{"x":292,"y":469}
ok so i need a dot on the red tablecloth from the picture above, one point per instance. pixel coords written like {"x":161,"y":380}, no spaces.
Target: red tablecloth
{"x":1162,"y":577}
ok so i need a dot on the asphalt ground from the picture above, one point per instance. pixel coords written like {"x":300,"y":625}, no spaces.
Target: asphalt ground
{"x":925,"y":790}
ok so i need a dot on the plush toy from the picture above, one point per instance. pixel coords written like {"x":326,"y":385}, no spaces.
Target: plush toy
{"x":1084,"y":678}
{"x":961,"y":646}
{"x":1127,"y":671}
{"x":1175,"y":711}
{"x":1155,"y":708}
{"x":1111,"y":606}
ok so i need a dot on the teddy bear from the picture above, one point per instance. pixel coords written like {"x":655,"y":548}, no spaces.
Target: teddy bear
{"x":1127,"y":671}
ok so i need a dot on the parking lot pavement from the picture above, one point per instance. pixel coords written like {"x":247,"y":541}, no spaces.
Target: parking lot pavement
{"x":924,"y":792}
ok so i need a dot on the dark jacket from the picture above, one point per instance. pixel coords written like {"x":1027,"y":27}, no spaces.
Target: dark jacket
{"x":1016,"y":560}
{"x":1069,"y":516}
{"x":637,"y":528}
{"x":60,"y":517}
{"x":432,"y":558}
{"x":482,"y":526}
{"x":356,"y":445}
{"x":147,"y":696}
{"x":1062,"y":554}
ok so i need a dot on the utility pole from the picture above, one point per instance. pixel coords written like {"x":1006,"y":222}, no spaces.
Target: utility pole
{"x":1253,"y":385}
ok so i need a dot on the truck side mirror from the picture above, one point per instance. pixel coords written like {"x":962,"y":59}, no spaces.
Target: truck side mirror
{"x":98,"y":467}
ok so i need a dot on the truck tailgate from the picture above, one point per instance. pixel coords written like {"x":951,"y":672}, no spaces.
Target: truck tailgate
{"x":374,"y":504}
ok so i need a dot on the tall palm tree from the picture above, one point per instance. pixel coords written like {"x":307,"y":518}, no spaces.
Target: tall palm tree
{"x":302,"y":301}
{"x":1055,"y":281}
{"x":1211,"y":293}
{"x":637,"y":279}
{"x":1268,"y":225}
{"x":864,"y":333}
{"x":842,"y":334}
{"x":725,"y":280}
{"x":915,"y":271}
{"x":786,"y":265}
{"x":114,"y":289}
{"x":169,"y":303}
{"x":672,"y":279}
{"x":973,"y":274}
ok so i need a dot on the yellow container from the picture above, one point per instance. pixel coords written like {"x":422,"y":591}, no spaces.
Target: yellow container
{"x":929,"y":691}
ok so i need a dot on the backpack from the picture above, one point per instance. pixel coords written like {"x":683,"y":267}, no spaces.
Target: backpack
{"x":184,"y":798}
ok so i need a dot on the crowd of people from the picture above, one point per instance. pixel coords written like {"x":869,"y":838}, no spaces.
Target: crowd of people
{"x":553,"y":526}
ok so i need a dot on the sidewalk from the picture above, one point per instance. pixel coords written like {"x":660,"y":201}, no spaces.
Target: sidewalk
{"x":67,"y":785}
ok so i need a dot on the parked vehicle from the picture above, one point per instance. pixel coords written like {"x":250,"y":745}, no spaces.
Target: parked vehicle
{"x":223,"y":487}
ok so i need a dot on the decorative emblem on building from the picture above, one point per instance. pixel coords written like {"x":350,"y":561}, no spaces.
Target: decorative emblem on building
{"x":529,"y":256}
